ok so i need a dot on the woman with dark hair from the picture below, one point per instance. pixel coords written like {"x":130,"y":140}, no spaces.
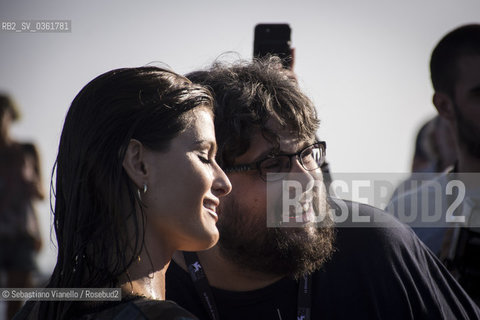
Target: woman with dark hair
{"x":136,"y":180}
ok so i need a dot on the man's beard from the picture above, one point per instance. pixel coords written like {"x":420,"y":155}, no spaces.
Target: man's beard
{"x":246,"y":241}
{"x":468,"y":133}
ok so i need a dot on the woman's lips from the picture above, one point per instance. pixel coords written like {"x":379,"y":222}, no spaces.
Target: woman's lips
{"x":211,"y":207}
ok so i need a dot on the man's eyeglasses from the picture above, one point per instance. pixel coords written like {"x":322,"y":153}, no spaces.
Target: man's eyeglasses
{"x":276,"y":167}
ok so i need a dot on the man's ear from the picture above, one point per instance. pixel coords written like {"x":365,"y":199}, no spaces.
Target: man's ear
{"x":133,"y":163}
{"x":444,"y":105}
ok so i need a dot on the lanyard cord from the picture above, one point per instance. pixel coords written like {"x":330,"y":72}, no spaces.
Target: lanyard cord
{"x":203,"y":289}
{"x":304,"y":297}
{"x":200,"y":282}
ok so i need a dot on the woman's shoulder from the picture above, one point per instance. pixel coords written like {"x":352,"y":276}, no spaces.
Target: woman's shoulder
{"x":143,"y":309}
{"x":136,"y":309}
{"x":163,"y":310}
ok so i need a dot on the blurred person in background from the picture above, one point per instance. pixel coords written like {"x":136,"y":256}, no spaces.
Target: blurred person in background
{"x":434,"y":147}
{"x":20,"y":186}
{"x":455,"y":75}
{"x":434,"y":153}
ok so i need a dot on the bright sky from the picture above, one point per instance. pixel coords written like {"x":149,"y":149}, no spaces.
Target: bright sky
{"x":364,"y":64}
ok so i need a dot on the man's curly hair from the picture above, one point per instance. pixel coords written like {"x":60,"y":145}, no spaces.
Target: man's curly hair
{"x":247,"y":95}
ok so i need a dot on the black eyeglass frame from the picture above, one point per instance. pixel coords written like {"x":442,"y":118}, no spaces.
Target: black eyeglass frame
{"x":257,"y":164}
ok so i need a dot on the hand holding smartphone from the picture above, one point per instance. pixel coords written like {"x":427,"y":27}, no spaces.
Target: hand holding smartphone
{"x":273,"y":39}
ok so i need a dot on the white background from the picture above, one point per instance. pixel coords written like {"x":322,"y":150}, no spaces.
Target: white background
{"x":364,"y":64}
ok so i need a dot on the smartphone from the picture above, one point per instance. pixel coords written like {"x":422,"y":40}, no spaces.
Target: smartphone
{"x":273,"y":39}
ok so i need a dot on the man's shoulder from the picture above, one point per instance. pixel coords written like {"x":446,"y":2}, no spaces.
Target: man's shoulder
{"x":371,"y":221}
{"x":384,"y":265}
{"x":428,"y":188}
{"x":370,"y":234}
{"x":360,"y":214}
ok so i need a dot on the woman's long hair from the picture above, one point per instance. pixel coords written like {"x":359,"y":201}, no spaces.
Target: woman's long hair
{"x":95,"y":244}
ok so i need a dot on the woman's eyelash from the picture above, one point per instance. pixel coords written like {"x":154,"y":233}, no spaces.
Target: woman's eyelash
{"x":204,"y":159}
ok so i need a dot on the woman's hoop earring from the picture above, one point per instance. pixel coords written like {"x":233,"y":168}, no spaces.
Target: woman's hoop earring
{"x":145,"y":188}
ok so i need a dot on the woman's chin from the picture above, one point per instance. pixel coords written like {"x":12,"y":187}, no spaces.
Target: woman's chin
{"x":204,"y":242}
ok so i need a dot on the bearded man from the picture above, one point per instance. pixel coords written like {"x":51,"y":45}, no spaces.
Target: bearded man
{"x":277,"y":261}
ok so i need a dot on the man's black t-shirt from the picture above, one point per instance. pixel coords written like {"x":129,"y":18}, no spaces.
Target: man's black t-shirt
{"x":378,"y":272}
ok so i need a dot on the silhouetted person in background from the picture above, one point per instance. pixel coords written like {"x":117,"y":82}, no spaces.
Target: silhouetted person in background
{"x":20,"y":185}
{"x":434,"y":153}
{"x":434,"y":147}
{"x":455,"y":74}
